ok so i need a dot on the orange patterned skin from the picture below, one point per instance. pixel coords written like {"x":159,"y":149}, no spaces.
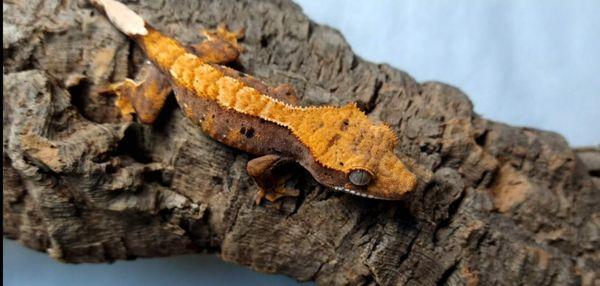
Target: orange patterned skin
{"x":340,"y":146}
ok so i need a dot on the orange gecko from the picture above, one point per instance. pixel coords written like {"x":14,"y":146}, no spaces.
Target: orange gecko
{"x":340,"y":146}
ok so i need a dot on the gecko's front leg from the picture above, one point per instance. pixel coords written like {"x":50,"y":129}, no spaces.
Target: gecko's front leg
{"x":271,"y":186}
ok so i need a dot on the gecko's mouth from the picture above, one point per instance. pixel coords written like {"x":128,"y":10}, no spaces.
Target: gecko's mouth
{"x":356,"y":193}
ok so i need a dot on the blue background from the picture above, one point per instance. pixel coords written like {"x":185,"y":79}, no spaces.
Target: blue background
{"x":529,"y":63}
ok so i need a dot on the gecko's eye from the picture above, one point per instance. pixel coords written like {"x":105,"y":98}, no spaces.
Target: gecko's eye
{"x":360,"y":177}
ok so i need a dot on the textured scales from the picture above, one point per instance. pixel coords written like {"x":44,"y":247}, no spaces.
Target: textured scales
{"x":339,"y":138}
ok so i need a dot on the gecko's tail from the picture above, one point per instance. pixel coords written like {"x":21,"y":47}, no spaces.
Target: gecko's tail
{"x":159,"y":48}
{"x":124,"y":19}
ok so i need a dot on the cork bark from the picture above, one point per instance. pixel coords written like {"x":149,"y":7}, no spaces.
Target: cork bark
{"x":497,"y":204}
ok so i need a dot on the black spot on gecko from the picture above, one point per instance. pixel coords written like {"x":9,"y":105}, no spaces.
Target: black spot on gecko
{"x":249,"y":133}
{"x":345,"y":124}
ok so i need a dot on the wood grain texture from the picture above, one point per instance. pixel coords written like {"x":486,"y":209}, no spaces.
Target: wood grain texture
{"x":503,"y":205}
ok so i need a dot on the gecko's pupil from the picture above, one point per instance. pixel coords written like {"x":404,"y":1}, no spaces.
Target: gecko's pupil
{"x":360,"y":177}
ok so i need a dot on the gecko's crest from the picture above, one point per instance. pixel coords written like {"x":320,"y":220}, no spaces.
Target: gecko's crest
{"x":127,"y":21}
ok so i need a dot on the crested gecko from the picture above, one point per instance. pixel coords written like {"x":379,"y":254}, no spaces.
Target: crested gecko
{"x":339,"y":146}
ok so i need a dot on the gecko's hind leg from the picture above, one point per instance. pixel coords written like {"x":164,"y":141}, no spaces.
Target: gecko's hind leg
{"x":144,"y":97}
{"x":221,"y":45}
{"x":271,"y":186}
{"x":281,"y":190}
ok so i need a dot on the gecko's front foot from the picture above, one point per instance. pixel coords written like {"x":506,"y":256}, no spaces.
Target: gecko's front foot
{"x":271,"y":186}
{"x":273,"y":195}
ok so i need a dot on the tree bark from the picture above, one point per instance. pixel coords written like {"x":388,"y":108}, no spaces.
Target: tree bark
{"x":496,"y":204}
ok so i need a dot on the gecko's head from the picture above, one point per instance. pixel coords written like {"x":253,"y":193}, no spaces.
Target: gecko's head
{"x":361,"y":157}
